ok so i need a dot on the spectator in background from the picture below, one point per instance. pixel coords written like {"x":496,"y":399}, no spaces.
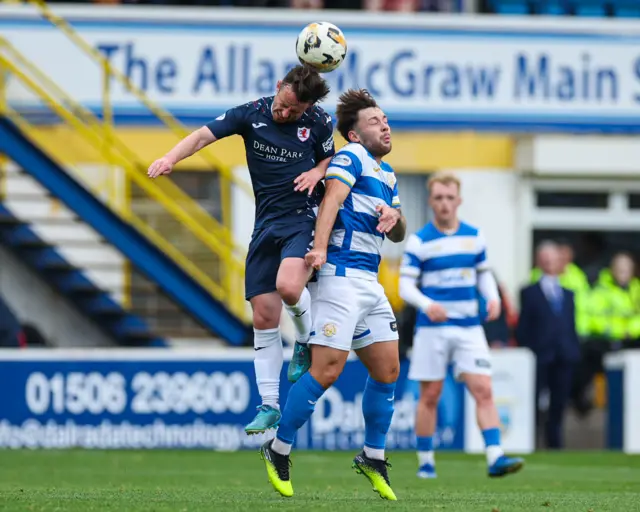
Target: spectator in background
{"x":10,"y":330}
{"x":614,"y":309}
{"x":572,"y":278}
{"x":547,"y":327}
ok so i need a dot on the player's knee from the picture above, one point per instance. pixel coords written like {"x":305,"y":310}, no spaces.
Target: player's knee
{"x":387,"y":374}
{"x":265,"y":317}
{"x":289,"y":292}
{"x":327,"y":373}
{"x":482,"y":394}
{"x":430,"y":395}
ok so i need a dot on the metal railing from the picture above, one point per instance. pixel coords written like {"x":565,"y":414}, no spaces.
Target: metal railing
{"x":166,"y":215}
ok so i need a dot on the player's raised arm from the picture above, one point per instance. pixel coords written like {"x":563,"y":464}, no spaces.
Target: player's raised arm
{"x":191,"y":144}
{"x":229,"y":123}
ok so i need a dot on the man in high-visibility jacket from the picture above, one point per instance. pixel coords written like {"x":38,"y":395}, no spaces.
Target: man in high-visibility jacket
{"x":615,"y":303}
{"x":614,"y":314}
{"x":574,"y":279}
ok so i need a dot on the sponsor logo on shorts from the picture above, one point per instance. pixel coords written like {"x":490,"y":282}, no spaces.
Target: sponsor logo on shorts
{"x":329,"y":330}
{"x":342,"y":160}
{"x":483,"y":363}
{"x":394,"y":326}
{"x":221,"y":117}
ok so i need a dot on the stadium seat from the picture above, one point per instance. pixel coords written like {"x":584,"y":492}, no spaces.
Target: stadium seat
{"x":511,"y":6}
{"x":551,"y":7}
{"x":591,"y":8}
{"x":626,"y":8}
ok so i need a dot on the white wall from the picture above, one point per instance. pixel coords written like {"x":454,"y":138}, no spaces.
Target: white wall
{"x":489,"y":201}
{"x":35,"y":302}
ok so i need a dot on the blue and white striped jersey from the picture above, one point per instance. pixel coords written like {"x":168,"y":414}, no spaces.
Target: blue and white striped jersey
{"x":446,"y":267}
{"x":354,"y":245}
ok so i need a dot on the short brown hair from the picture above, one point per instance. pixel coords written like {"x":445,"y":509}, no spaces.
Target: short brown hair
{"x":307,"y":84}
{"x":350,"y":104}
{"x":444,"y":178}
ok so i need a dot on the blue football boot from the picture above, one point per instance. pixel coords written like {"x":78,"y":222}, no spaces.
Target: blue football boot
{"x":267,"y":417}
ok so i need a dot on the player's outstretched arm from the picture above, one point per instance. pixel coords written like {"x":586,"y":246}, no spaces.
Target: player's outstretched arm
{"x":188,"y":146}
{"x":335,"y":195}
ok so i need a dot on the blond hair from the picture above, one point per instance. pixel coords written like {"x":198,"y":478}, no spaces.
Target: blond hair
{"x":444,"y":178}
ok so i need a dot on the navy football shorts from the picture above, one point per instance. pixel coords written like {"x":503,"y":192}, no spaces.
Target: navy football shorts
{"x":269,"y":246}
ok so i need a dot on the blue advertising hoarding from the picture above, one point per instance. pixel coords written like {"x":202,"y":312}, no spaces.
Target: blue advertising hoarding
{"x":143,"y":399}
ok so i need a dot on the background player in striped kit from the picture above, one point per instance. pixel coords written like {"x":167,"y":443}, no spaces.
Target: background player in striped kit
{"x":349,"y":307}
{"x":444,"y":267}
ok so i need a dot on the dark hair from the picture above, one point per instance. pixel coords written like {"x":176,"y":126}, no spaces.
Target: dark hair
{"x":350,"y":104}
{"x":307,"y":84}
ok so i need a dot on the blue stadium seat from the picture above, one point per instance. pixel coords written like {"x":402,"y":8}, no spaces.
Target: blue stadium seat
{"x":551,"y":7}
{"x":591,"y":8}
{"x":511,"y":6}
{"x":626,"y":8}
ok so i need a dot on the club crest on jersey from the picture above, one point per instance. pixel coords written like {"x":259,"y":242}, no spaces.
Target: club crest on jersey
{"x":303,"y":134}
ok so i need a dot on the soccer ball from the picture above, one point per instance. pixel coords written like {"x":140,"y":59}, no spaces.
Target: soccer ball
{"x":322,"y":46}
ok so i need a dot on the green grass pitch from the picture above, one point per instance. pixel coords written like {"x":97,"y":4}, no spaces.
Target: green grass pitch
{"x":33,"y":481}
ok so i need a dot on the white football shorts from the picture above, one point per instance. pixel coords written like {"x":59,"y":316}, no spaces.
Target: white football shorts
{"x":435,"y":347}
{"x":350,"y":313}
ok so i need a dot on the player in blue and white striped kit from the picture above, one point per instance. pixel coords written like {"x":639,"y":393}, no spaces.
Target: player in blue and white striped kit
{"x":443,"y":269}
{"x":349,"y":307}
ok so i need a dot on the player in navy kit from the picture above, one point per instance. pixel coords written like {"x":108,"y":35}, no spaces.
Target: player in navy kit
{"x":289,"y":143}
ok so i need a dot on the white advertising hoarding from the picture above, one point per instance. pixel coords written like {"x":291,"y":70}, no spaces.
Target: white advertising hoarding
{"x":623,"y":387}
{"x":514,"y":381}
{"x":426,"y":71}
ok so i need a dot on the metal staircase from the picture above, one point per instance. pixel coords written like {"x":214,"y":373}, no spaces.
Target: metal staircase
{"x":163,"y":218}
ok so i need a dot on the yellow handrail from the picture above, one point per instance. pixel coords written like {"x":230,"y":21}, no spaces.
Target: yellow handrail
{"x":107,"y":135}
{"x":169,"y":120}
{"x":103,"y":139}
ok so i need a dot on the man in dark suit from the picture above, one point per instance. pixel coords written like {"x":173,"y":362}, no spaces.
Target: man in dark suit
{"x":547,"y":327}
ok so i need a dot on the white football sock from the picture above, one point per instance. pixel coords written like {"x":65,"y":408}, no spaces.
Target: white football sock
{"x":300,"y":313}
{"x":426,"y":458}
{"x":494,"y":452}
{"x":280,"y":447}
{"x":268,"y":361}
{"x":374,"y":453}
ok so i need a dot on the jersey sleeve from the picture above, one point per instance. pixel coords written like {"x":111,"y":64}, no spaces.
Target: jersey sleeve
{"x":411,"y":262}
{"x":232,"y":122}
{"x":481,"y":252}
{"x":325,"y":147}
{"x":346,"y":167}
